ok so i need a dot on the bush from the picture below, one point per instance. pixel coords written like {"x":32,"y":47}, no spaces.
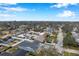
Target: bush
{"x":48,"y":52}
{"x":49,"y":39}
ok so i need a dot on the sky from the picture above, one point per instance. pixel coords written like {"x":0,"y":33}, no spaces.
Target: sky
{"x":39,"y":12}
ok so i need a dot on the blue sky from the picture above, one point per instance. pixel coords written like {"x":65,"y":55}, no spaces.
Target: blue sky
{"x":39,"y":12}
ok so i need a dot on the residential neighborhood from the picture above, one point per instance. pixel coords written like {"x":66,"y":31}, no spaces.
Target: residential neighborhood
{"x":32,"y":42}
{"x":39,"y":29}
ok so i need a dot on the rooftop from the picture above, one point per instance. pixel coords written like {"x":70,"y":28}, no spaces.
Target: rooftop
{"x":29,"y":46}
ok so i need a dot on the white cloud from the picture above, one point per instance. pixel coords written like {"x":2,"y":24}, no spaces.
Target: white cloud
{"x":12,"y":3}
{"x":7,"y":4}
{"x":6,"y":15}
{"x":19,"y":9}
{"x":59,"y":5}
{"x":6,"y":7}
{"x":66,"y":13}
{"x":16,"y":9}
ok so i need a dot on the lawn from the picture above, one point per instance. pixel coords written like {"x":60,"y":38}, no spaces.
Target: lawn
{"x":70,"y":54}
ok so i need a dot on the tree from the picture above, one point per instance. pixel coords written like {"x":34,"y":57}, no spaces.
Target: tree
{"x":48,"y":39}
{"x":69,"y":41}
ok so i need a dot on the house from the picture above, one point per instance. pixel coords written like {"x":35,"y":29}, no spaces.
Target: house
{"x":29,"y":46}
{"x":39,"y":36}
{"x":49,"y":30}
{"x":76,"y":36}
{"x":20,"y":52}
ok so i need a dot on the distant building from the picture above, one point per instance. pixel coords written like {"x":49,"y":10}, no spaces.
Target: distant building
{"x":49,"y":30}
{"x":76,"y":36}
{"x":75,"y":29}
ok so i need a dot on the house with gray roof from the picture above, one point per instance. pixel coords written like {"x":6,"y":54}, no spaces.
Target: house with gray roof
{"x":29,"y":46}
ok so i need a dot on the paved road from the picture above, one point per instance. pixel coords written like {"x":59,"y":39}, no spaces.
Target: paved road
{"x":17,"y":43}
{"x":5,"y":44}
{"x":59,"y":45}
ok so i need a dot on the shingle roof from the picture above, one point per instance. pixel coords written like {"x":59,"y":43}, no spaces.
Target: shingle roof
{"x":33,"y":45}
{"x":6,"y":54}
{"x":20,"y":52}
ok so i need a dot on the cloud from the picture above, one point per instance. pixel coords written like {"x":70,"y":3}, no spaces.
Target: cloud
{"x":11,"y":3}
{"x":8,"y":7}
{"x":7,"y":4}
{"x":6,"y":15}
{"x":59,"y":5}
{"x":16,"y":9}
{"x":66,"y":13}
